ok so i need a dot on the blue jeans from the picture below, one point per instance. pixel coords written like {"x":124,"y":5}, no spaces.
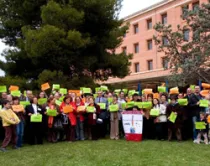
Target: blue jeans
{"x":20,"y":131}
{"x":79,"y":130}
{"x":194,"y":119}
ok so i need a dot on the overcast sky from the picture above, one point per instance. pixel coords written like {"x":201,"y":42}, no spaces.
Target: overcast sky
{"x":129,"y":7}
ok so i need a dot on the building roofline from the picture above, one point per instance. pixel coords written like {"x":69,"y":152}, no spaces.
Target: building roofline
{"x":152,"y":7}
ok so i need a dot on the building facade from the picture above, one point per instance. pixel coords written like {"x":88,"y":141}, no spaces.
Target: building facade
{"x":148,"y":65}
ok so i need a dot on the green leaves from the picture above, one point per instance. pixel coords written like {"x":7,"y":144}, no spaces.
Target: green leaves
{"x":187,"y":59}
{"x":76,"y":38}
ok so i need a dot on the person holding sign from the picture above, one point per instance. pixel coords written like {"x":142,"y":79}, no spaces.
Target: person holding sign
{"x":195,"y":109}
{"x":92,"y":118}
{"x":114,"y":119}
{"x":104,"y":115}
{"x":52,"y":111}
{"x":164,"y":99}
{"x":148,"y":121}
{"x":174,"y":115}
{"x":80,"y":107}
{"x":201,"y":127}
{"x":68,"y":109}
{"x":9,"y":122}
{"x":19,"y":110}
{"x":121,"y":101}
{"x":160,"y":120}
{"x":35,"y":129}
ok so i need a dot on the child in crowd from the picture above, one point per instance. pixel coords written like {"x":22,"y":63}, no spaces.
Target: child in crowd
{"x":9,"y":122}
{"x":202,"y":132}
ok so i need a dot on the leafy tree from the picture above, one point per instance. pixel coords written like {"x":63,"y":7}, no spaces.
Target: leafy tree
{"x":74,"y":37}
{"x":188,"y":60}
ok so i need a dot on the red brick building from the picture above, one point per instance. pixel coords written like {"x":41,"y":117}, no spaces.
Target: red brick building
{"x":147,"y":63}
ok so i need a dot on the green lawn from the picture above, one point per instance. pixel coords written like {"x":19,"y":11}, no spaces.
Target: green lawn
{"x":109,"y":153}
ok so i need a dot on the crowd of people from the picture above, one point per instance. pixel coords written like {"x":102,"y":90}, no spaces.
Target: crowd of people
{"x":79,"y":117}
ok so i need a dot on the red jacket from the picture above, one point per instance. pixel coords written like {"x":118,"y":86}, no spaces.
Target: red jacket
{"x":80,"y":114}
{"x":92,"y":121}
{"x":72,"y":115}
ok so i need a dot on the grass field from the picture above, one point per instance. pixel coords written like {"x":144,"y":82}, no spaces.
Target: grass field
{"x":109,"y":153}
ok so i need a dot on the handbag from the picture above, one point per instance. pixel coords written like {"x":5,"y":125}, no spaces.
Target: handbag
{"x":99,"y":121}
{"x":65,"y":119}
{"x":58,"y":125}
{"x":103,"y":115}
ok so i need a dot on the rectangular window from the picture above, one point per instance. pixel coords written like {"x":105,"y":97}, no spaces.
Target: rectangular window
{"x":150,"y":65}
{"x":137,"y":69}
{"x":149,"y":44}
{"x":164,"y":18}
{"x":165,"y":63}
{"x":165,"y":41}
{"x":136,"y":29}
{"x":136,"y":48}
{"x":149,"y":24}
{"x":195,"y":6}
{"x":186,"y":35}
{"x":185,"y":9}
{"x":124,"y":49}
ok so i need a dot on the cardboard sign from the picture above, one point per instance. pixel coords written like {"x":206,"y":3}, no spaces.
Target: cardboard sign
{"x":139,"y":104}
{"x":13,"y":88}
{"x":63,"y":91}
{"x":3,"y":89}
{"x":36,"y":118}
{"x":200,"y":125}
{"x":18,"y":108}
{"x":154,"y":112}
{"x":156,"y":96}
{"x":123,"y":105}
{"x":114,"y":108}
{"x":110,"y":99}
{"x":174,"y":91}
{"x":81,"y":108}
{"x":117,"y":90}
{"x":51,"y":112}
{"x":24,"y":103}
{"x":77,"y":92}
{"x":125,"y":91}
{"x":161,"y":89}
{"x":102,"y":105}
{"x":42,"y":101}
{"x":45,"y":86}
{"x":172,"y":117}
{"x":206,"y":86}
{"x":192,"y":87}
{"x":131,"y":92}
{"x":147,"y":91}
{"x":16,"y":93}
{"x":183,"y":102}
{"x":147,"y":105}
{"x":56,"y":86}
{"x":58,"y":103}
{"x":132,"y":125}
{"x":104,"y":88}
{"x":67,"y":109}
{"x":130,"y":104}
{"x":204,"y":93}
{"x":90,"y":109}
{"x":95,"y":96}
{"x":61,"y":98}
{"x":204,"y":103}
{"x":86,"y":90}
{"x":97,"y":89}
